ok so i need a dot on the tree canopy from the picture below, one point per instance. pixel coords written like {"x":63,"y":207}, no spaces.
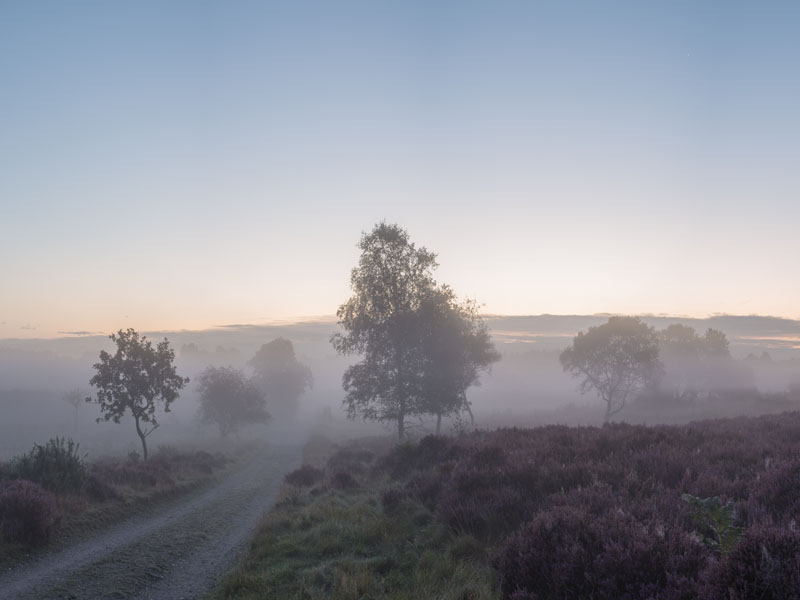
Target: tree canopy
{"x":456,"y":347}
{"x":229,"y":400}
{"x":136,"y":378}
{"x":421,"y":349}
{"x":690,"y":361}
{"x":280,"y":376}
{"x":615,"y":359}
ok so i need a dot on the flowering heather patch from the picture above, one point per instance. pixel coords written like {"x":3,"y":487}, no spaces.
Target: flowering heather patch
{"x":598,"y":512}
{"x":565,"y":552}
{"x":765,"y":565}
{"x":27,"y":512}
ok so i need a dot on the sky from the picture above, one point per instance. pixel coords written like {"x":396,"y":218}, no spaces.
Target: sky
{"x":183,"y":165}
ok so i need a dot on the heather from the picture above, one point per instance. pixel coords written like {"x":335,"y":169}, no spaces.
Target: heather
{"x":703,"y":510}
{"x":27,"y":513}
{"x":624,"y":512}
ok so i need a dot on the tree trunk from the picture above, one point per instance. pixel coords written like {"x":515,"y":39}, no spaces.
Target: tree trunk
{"x":142,"y":437}
{"x":398,"y":394}
{"x":611,"y":410}
{"x":608,"y":400}
{"x":438,"y":423}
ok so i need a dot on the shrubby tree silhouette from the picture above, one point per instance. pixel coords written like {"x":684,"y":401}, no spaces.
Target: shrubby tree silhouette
{"x":615,"y":360}
{"x":280,"y":376}
{"x":689,"y":360}
{"x":421,"y":349}
{"x":715,"y":344}
{"x":74,"y":398}
{"x":136,"y":378}
{"x":230,"y":400}
{"x":456,"y":348}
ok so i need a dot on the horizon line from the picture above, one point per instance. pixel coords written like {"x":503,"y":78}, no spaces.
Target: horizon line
{"x":312,"y":319}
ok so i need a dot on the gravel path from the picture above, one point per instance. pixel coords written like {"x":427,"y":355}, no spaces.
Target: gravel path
{"x":176,"y":552}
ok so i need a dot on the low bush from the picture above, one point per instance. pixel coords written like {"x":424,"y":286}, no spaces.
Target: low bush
{"x":305,"y":476}
{"x":56,"y":466}
{"x":392,"y":497}
{"x":343,"y":481}
{"x":765,"y":564}
{"x":567,"y":554}
{"x":99,"y":490}
{"x":779,"y":488}
{"x":136,"y":475}
{"x":161,"y":470}
{"x":27,"y":512}
{"x":350,"y":460}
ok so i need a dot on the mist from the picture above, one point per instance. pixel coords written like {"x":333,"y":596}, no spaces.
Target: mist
{"x":526,"y":387}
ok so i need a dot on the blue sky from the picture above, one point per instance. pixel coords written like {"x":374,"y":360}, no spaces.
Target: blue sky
{"x":187,"y":164}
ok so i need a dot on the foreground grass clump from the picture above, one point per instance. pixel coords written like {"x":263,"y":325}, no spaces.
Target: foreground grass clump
{"x":704,"y":511}
{"x":342,"y":540}
{"x":57,"y":466}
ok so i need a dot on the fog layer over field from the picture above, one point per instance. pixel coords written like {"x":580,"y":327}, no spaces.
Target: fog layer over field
{"x":527,"y":386}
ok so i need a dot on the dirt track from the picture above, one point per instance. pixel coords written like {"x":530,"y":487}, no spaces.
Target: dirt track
{"x":174,"y":552}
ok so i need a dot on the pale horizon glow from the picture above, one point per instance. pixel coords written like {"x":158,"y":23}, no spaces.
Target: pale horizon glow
{"x":193,"y":165}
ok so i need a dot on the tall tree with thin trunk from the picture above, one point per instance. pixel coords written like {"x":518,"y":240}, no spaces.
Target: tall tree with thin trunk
{"x":421,"y":349}
{"x":136,"y":378}
{"x":379,"y":322}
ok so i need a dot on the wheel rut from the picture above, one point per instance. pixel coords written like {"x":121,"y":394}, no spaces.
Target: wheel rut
{"x":174,"y":552}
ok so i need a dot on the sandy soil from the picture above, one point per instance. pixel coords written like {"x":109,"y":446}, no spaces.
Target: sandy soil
{"x":175,"y":551}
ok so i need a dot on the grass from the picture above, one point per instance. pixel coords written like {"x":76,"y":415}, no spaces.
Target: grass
{"x":333,"y":544}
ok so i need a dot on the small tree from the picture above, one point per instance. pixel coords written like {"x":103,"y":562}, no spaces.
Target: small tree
{"x":281,"y":377}
{"x":136,"y":378}
{"x":230,"y":400}
{"x":74,"y":398}
{"x":615,"y":360}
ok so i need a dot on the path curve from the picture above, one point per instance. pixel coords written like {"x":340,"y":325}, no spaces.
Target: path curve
{"x":175,"y":552}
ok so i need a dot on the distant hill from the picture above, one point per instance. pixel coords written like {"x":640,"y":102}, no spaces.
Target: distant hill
{"x":752,"y":333}
{"x":780,"y":337}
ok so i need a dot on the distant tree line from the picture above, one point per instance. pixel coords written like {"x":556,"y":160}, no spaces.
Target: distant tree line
{"x":420,"y":350}
{"x":624,"y":358}
{"x":140,"y":379}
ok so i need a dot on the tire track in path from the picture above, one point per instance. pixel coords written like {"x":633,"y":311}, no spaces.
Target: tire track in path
{"x":175,"y":552}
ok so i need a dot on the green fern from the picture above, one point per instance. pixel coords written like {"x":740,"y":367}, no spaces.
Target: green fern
{"x":719,"y":518}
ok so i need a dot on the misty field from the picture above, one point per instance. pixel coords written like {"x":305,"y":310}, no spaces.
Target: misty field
{"x":622,"y":512}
